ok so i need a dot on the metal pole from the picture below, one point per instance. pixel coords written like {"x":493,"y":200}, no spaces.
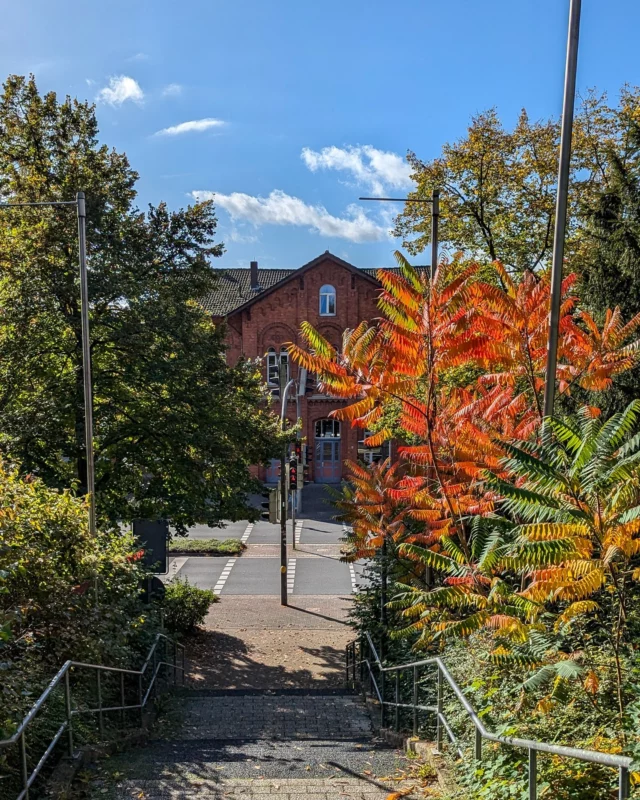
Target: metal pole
{"x":67,"y":703}
{"x":86,"y":360}
{"x":561,"y":202}
{"x":533,"y":774}
{"x":283,"y":526}
{"x":623,"y":783}
{"x":478,"y":747}
{"x":435,"y":214}
{"x":439,"y":706}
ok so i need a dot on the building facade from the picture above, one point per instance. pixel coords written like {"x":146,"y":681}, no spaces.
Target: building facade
{"x":264,"y":309}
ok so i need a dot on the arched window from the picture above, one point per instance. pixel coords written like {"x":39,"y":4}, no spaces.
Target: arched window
{"x":274,"y":363}
{"x":327,"y":429}
{"x":327,"y":301}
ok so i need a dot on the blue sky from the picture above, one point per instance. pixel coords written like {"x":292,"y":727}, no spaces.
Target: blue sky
{"x":290,"y":109}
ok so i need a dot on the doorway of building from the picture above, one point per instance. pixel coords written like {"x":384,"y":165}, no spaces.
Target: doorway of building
{"x":328,"y":463}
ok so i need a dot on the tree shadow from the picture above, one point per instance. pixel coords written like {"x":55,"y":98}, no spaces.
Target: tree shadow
{"x":218,"y":660}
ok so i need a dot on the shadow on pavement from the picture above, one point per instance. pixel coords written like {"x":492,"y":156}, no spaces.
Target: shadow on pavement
{"x":219,"y":660}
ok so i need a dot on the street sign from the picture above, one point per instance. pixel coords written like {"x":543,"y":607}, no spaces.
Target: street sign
{"x":153,"y":536}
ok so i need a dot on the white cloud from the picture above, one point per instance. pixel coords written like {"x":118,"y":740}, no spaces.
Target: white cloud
{"x":196,"y":125}
{"x":283,"y":209}
{"x":172,"y":90}
{"x":139,"y":57}
{"x":370,"y":167}
{"x":120,"y":89}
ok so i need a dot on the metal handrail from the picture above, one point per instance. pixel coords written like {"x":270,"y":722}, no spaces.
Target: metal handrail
{"x":367,"y":664}
{"x":63,"y":674}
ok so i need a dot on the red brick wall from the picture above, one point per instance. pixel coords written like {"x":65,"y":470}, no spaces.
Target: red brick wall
{"x":275,"y":319}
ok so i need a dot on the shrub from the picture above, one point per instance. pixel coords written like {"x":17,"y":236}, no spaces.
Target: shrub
{"x":185,"y":605}
{"x":64,"y":594}
{"x":182,"y":544}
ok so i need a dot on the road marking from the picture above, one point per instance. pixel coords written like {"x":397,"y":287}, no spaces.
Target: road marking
{"x":352,"y":573}
{"x":298,"y":532}
{"x":247,"y":533}
{"x":217,"y":589}
{"x":291,"y":575}
{"x":175,"y":567}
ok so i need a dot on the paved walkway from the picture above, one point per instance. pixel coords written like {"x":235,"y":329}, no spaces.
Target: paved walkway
{"x":265,"y":712}
{"x":290,"y":745}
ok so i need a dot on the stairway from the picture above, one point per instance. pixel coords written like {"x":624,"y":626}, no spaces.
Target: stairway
{"x":290,"y":744}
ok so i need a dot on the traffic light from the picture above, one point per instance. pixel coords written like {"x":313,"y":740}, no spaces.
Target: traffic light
{"x":271,"y":506}
{"x":293,"y":473}
{"x":298,"y":450}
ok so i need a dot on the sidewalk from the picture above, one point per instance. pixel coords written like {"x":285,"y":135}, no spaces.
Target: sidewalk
{"x":252,"y":642}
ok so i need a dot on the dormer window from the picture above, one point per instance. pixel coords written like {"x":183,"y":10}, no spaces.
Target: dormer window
{"x":327,"y":301}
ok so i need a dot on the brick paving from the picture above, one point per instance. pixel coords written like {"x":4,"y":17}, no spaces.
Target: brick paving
{"x":269,"y":716}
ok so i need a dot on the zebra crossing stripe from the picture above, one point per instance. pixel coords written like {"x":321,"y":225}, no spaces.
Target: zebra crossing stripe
{"x":291,"y":575}
{"x":298,"y":531}
{"x":247,"y":533}
{"x":217,"y":589}
{"x":352,"y":573}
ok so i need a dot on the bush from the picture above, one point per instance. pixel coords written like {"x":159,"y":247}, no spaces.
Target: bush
{"x":185,"y":605}
{"x":212,"y":547}
{"x":64,"y":594}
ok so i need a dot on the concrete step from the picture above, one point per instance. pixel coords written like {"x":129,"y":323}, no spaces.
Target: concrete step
{"x":339,"y":788}
{"x":251,"y":715}
{"x":290,"y":744}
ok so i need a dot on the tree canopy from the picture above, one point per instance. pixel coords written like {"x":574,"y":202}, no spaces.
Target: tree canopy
{"x":498,"y":185}
{"x":176,"y":429}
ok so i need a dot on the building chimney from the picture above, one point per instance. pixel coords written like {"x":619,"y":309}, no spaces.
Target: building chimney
{"x":254,"y":275}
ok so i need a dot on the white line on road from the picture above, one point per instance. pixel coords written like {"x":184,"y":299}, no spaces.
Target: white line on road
{"x":217,"y":589}
{"x":247,"y":533}
{"x":352,"y":573}
{"x":298,"y":532}
{"x":175,"y":566}
{"x":291,"y":575}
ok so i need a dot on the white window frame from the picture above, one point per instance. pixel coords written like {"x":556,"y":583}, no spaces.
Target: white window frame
{"x":272,"y":367}
{"x":327,"y":301}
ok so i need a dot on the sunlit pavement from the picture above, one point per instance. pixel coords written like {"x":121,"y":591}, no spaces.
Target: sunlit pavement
{"x":314,"y":566}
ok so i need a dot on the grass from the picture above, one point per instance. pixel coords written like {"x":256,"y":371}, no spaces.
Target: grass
{"x":210,"y":547}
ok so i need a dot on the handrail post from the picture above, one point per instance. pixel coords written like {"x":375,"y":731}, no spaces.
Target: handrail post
{"x":183,"y":665}
{"x":353,"y":666}
{"x":439,"y":707}
{"x":623,"y":783}
{"x":25,"y":770}
{"x":381,"y":697}
{"x":533,"y":774}
{"x":346,"y":667}
{"x":397,"y":700}
{"x":415,"y":701}
{"x":478,"y":748}
{"x":67,"y":703}
{"x":154,"y":682}
{"x":122,"y":699}
{"x":175,"y":663}
{"x":140,"y":700}
{"x":100,"y":716}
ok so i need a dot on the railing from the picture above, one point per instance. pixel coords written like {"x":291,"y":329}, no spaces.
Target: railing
{"x":153,"y":660}
{"x":362,"y":660}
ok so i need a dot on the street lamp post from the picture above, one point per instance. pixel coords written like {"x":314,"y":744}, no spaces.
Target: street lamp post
{"x":79,"y":203}
{"x":435,"y":218}
{"x":561,"y":202}
{"x":284,"y":395}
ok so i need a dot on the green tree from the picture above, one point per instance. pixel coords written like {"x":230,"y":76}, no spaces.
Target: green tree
{"x":498,"y":186}
{"x":176,"y":429}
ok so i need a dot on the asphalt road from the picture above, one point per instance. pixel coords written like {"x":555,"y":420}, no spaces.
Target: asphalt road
{"x":314,"y":567}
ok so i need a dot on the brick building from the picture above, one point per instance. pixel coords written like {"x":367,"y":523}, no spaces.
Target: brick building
{"x":264,"y":308}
